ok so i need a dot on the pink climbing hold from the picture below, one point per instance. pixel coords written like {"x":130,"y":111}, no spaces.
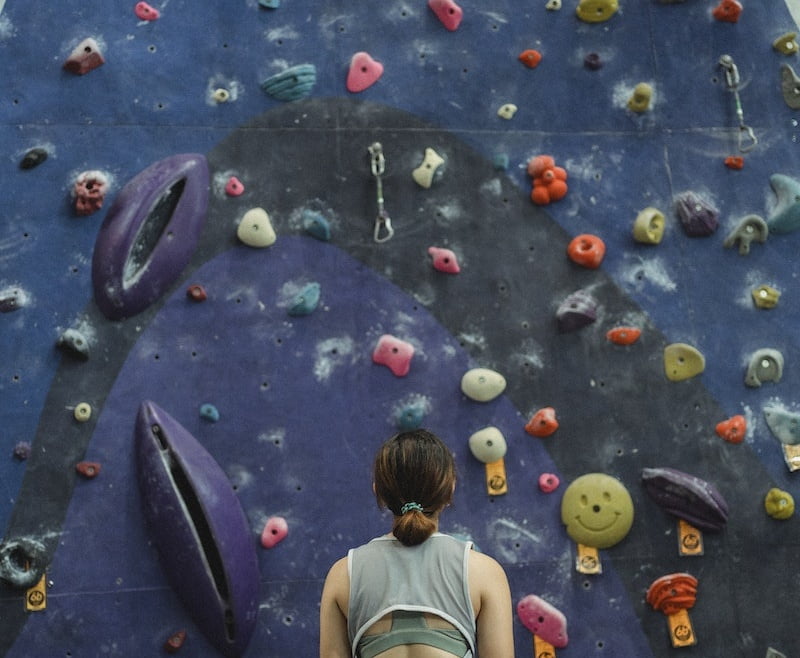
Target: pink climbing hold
{"x":234,"y":187}
{"x":89,"y":192}
{"x":544,"y":620}
{"x":364,"y":72}
{"x":145,"y":12}
{"x":85,"y":57}
{"x":548,"y":482}
{"x":444,"y":260}
{"x":448,"y":12}
{"x":275,"y":531}
{"x":393,"y":353}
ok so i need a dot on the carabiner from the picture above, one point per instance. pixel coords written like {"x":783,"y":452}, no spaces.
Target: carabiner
{"x":383,"y":230}
{"x":747,"y":139}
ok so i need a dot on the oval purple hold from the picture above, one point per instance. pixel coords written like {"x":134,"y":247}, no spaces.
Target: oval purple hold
{"x":149,"y":234}
{"x":697,"y":216}
{"x":576,"y":311}
{"x":687,"y":496}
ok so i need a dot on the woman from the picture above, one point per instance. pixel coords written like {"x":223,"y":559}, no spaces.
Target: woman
{"x":415,"y":593}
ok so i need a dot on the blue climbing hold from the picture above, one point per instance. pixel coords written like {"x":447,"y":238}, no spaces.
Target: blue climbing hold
{"x":410,"y":416}
{"x":209,"y":412}
{"x":291,"y":84}
{"x":500,"y":161}
{"x":786,"y":217}
{"x":784,"y":424}
{"x":306,"y":301}
{"x":316,"y":225}
{"x":269,"y":4}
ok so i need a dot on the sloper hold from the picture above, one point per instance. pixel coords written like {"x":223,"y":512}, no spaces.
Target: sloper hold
{"x":686,"y":496}
{"x":790,"y":86}
{"x":306,"y":300}
{"x":482,"y":384}
{"x":784,"y":424}
{"x":543,"y":619}
{"x":198,"y":526}
{"x":577,"y":311}
{"x":85,"y":57}
{"x":786,"y":216}
{"x":393,"y":353}
{"x":488,"y":445}
{"x":291,"y":84}
{"x":448,"y":12}
{"x":149,"y":234}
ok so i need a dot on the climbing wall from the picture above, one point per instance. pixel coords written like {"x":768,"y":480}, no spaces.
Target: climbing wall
{"x":289,"y":395}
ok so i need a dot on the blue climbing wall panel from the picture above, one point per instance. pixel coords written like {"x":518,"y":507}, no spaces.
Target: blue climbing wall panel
{"x":302,"y":406}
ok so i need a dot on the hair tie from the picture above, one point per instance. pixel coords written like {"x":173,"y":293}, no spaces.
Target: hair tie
{"x":407,"y":507}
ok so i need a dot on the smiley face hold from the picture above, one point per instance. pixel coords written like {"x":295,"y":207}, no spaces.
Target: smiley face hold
{"x":597,"y":510}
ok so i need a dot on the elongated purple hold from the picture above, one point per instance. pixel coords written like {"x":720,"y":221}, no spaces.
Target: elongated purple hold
{"x":576,"y":311}
{"x":686,"y":496}
{"x":698,"y":216}
{"x":149,"y":234}
{"x":199,"y":528}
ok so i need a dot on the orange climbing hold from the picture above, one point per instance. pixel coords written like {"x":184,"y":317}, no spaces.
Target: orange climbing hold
{"x":733,"y":429}
{"x":727,"y":11}
{"x":530,"y":58}
{"x":734,"y":162}
{"x":543,"y":423}
{"x":672,"y":593}
{"x":549,"y":181}
{"x":587,"y":250}
{"x":623,"y":335}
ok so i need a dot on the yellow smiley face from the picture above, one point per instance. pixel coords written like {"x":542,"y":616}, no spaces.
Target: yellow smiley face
{"x":597,"y":510}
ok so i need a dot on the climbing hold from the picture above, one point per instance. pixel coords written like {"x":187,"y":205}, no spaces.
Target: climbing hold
{"x":548,"y":482}
{"x":765,"y":296}
{"x":11,"y":299}
{"x":682,"y":361}
{"x":727,"y":11}
{"x":275,"y":531}
{"x":623,"y":335}
{"x":22,"y":561}
{"x":751,"y":228}
{"x":734,"y":162}
{"x":410,"y":416}
{"x":672,"y":595}
{"x":209,"y":412}
{"x":482,"y":384}
{"x":269,"y":4}
{"x":779,"y":504}
{"x":698,"y":217}
{"x":549,"y":181}
{"x":597,"y":510}
{"x":640,"y":98}
{"x":648,"y":228}
{"x":88,"y":470}
{"x":221,"y":95}
{"x":448,"y":12}
{"x":82,"y":412}
{"x":786,"y":216}
{"x":149,"y":234}
{"x":255,"y":229}
{"x":543,"y":423}
{"x":444,"y":260}
{"x":543,"y":620}
{"x":306,"y":301}
{"x":733,"y":430}
{"x":577,"y":311}
{"x":196,"y":293}
{"x":74,"y":342}
{"x":786,"y":43}
{"x":687,"y":497}
{"x":593,"y":62}
{"x":790,"y":87}
{"x":85,"y":57}
{"x":507,"y":111}
{"x":393,"y":353}
{"x":423,"y":175}
{"x":596,"y":11}
{"x":145,"y":12}
{"x":316,"y":225}
{"x":364,"y":72}
{"x":488,"y":445}
{"x":500,"y":161}
{"x":22,"y":450}
{"x":587,"y":250}
{"x":530,"y":58}
{"x":175,"y":641}
{"x":553,"y":5}
{"x":33,"y":158}
{"x":89,"y":192}
{"x":291,"y":84}
{"x":764,"y":365}
{"x":784,"y":424}
{"x":234,"y":187}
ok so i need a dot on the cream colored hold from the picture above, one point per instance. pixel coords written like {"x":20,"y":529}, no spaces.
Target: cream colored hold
{"x":255,"y":229}
{"x":482,"y":384}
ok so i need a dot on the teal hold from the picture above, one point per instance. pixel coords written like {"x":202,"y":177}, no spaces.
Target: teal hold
{"x":306,"y":302}
{"x":291,"y":84}
{"x":316,"y":225}
{"x":786,"y":217}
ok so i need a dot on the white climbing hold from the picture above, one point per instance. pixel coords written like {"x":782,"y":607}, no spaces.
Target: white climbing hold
{"x":423,"y":175}
{"x":507,"y":111}
{"x":255,"y":229}
{"x":482,"y":384}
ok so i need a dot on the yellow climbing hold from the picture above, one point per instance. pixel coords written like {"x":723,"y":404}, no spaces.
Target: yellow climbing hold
{"x":786,"y":43}
{"x":640,"y":98}
{"x":83,"y":412}
{"x":649,"y":226}
{"x":682,"y":361}
{"x":765,"y":296}
{"x":596,"y":11}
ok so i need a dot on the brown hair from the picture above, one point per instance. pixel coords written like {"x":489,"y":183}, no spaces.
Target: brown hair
{"x":414,"y":467}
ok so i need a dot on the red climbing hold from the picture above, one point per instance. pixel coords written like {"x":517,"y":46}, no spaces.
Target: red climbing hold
{"x":623,"y":335}
{"x":196,"y":293}
{"x":734,"y":162}
{"x":587,"y":250}
{"x":234,"y":187}
{"x":145,"y":12}
{"x":727,"y":11}
{"x":88,"y":470}
{"x":84,"y":58}
{"x":364,"y":72}
{"x":448,"y":12}
{"x":175,"y":642}
{"x":543,"y":423}
{"x":275,"y":531}
{"x":733,"y":429}
{"x":393,"y":353}
{"x":549,"y":181}
{"x":530,"y":58}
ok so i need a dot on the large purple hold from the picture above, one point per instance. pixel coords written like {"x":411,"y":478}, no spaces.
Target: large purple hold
{"x":576,"y":311}
{"x":686,"y":496}
{"x":199,"y":528}
{"x":698,"y":217}
{"x":149,"y":234}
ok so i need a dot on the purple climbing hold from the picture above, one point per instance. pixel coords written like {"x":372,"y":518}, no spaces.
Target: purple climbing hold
{"x":593,"y":62}
{"x":22,"y":450}
{"x":698,"y":216}
{"x":576,"y":311}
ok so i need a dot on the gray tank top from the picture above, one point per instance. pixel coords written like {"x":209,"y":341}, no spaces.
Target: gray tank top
{"x":386,"y":576}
